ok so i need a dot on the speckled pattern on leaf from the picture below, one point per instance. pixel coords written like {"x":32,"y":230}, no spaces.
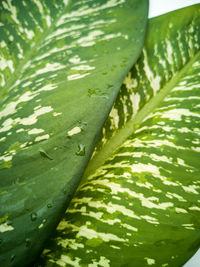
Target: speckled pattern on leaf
{"x":140,"y":204}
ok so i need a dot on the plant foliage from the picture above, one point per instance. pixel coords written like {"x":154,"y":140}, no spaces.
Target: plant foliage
{"x":62,"y":63}
{"x":138,"y":204}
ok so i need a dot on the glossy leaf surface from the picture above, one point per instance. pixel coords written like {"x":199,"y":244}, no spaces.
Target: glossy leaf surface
{"x":62,"y":63}
{"x":141,"y":206}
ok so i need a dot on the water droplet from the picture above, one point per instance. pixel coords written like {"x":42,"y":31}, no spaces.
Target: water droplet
{"x":33,"y":216}
{"x":82,"y":127}
{"x":28,"y":242}
{"x":17,"y":181}
{"x":81,"y":150}
{"x":124,"y":59}
{"x":49,"y":205}
{"x":44,"y":154}
{"x":9,"y":222}
{"x":92,"y":92}
{"x":160,"y":243}
{"x":28,"y":204}
{"x":65,"y":191}
{"x":96,"y":93}
{"x":82,"y":122}
{"x":12,"y":257}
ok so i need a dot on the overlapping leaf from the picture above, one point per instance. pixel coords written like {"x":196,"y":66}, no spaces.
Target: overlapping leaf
{"x":141,"y":207}
{"x":62,"y":63}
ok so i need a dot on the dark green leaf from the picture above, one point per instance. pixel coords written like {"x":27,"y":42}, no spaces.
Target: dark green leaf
{"x":62,"y":63}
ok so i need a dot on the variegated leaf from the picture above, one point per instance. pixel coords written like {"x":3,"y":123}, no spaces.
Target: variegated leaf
{"x":140,"y":204}
{"x":62,"y":63}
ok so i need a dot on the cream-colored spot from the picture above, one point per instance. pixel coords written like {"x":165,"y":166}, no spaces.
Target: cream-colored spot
{"x":74,"y":131}
{"x":83,"y":67}
{"x":48,"y":20}
{"x":6,"y":63}
{"x":152,"y":77}
{"x":179,"y":210}
{"x":150,"y":261}
{"x":77,"y":76}
{"x":150,"y":219}
{"x":35,"y":131}
{"x":29,"y":33}
{"x":5,"y":227}
{"x":102,"y":262}
{"x":10,"y":108}
{"x":49,"y":67}
{"x":194,"y":208}
{"x":90,"y":233}
{"x":33,"y":117}
{"x":65,"y":260}
{"x":176,"y":114}
{"x":114,"y":117}
{"x":6,"y":158}
{"x":2,"y":139}
{"x":12,"y":9}
{"x":7,"y":125}
{"x":75,"y":60}
{"x":40,"y":138}
{"x":191,"y":189}
{"x":55,"y":114}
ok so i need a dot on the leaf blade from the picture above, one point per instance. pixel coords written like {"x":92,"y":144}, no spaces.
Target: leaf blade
{"x":142,"y":206}
{"x":57,"y":71}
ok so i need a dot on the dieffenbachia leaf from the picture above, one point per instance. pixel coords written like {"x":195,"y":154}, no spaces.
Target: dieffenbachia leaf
{"x":142,"y":207}
{"x":62,"y":63}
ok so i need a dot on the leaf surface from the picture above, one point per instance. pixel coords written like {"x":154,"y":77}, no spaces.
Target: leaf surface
{"x":140,"y":206}
{"x":62,"y":63}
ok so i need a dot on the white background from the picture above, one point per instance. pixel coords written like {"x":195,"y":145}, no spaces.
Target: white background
{"x":158,"y":7}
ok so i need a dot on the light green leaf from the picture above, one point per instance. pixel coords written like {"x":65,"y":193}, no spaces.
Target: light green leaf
{"x":62,"y":63}
{"x":141,"y":206}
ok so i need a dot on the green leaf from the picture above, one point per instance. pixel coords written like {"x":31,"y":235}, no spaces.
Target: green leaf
{"x":141,"y":206}
{"x":62,"y":63}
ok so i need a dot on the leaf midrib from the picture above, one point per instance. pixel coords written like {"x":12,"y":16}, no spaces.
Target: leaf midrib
{"x":122,"y":134}
{"x":16,"y":75}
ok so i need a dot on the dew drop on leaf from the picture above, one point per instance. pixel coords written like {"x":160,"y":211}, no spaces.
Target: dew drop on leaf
{"x":17,"y":181}
{"x":91,"y":92}
{"x":28,"y":242}
{"x":160,"y":243}
{"x":81,"y":150}
{"x":8,"y":222}
{"x":125,"y":59}
{"x":44,"y":154}
{"x":82,"y":122}
{"x":12,"y":257}
{"x":33,"y":216}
